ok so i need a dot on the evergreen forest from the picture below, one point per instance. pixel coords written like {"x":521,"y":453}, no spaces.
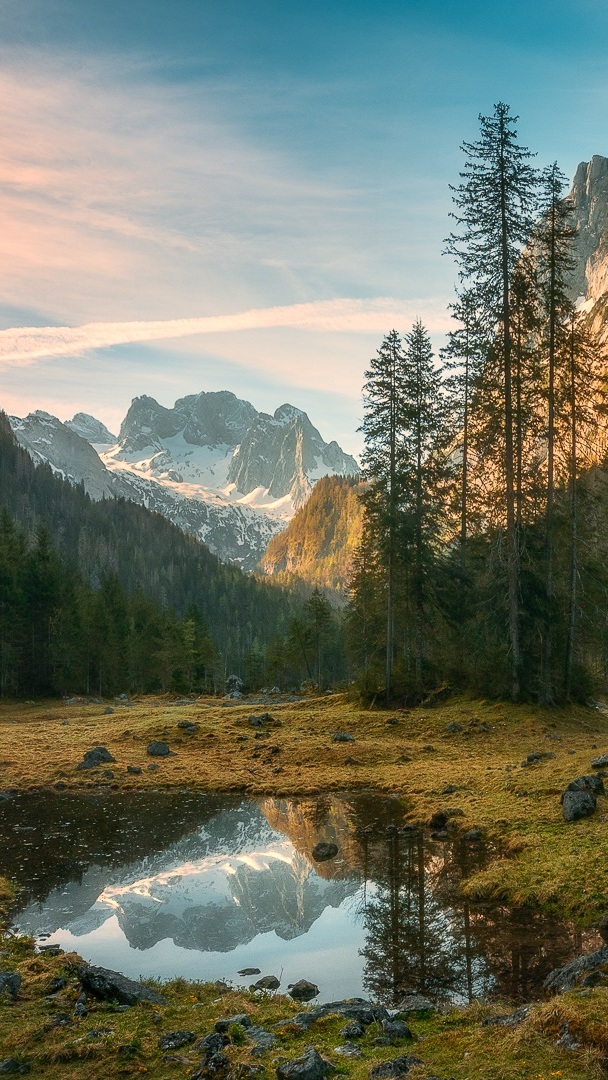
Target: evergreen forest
{"x":483,"y":562}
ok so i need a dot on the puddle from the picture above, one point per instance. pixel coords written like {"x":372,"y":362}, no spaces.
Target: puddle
{"x":201,"y":886}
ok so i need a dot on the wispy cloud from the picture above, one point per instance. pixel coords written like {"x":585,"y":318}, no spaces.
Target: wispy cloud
{"x":26,"y":344}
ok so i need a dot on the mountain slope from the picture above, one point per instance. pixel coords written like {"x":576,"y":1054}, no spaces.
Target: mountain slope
{"x":116,"y":536}
{"x":318,"y":545}
{"x":213,"y":465}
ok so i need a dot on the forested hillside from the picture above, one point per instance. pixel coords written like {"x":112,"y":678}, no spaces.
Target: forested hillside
{"x":54,"y":535}
{"x":318,"y":545}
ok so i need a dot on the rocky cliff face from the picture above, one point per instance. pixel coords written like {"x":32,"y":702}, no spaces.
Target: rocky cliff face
{"x":589,"y":196}
{"x":91,"y":429}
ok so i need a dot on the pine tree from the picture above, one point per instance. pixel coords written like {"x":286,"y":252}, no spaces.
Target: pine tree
{"x":423,"y":483}
{"x":495,"y":207}
{"x":553,"y":240}
{"x":382,"y":461}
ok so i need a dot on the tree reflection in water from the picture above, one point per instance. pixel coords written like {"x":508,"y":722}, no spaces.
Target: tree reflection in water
{"x":423,"y":935}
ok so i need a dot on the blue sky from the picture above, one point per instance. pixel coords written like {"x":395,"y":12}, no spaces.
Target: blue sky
{"x":182,"y":161}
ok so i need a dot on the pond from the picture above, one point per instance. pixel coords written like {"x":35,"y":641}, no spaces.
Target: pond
{"x":203,"y":886}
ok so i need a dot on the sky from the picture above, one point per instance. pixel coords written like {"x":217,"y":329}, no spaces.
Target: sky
{"x":220,"y":194}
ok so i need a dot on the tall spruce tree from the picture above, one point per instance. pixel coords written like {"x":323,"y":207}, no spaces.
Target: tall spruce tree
{"x":382,"y":461}
{"x":495,"y":206}
{"x":553,"y":239}
{"x":424,"y":473}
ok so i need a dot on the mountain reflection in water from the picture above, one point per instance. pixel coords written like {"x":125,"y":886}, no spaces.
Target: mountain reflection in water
{"x":200,"y":886}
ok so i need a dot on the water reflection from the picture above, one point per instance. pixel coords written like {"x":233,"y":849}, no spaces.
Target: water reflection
{"x":204,"y":885}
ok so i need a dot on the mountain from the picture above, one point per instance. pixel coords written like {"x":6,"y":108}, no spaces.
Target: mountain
{"x":212,"y":464}
{"x":318,"y":545}
{"x":91,"y":429}
{"x":105,"y":537}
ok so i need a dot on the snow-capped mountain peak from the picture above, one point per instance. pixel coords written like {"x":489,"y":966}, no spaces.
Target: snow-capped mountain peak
{"x":212,"y":464}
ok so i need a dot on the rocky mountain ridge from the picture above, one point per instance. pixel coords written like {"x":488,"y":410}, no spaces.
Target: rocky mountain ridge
{"x":212,"y":464}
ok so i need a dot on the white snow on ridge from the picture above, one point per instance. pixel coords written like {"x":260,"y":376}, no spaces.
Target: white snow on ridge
{"x":195,"y":472}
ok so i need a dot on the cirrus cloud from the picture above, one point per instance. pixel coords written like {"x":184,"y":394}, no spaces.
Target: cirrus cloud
{"x":27,"y":344}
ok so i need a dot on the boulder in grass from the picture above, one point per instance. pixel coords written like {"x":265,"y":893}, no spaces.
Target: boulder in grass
{"x":112,"y":986}
{"x":10,"y":983}
{"x":592,"y":783}
{"x":396,"y":1030}
{"x":99,"y":755}
{"x":158,"y":749}
{"x":600,"y":762}
{"x":174,"y":1039}
{"x":310,"y":1066}
{"x":267,"y":982}
{"x":14,"y":1067}
{"x":578,"y":804}
{"x":571,"y":975}
{"x":395,"y":1068}
{"x":225,"y":1023}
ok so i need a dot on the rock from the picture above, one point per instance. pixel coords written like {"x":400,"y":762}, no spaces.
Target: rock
{"x":566,"y":1039}
{"x":99,"y":755}
{"x":578,"y":804}
{"x":473,"y":835}
{"x":592,"y":783}
{"x":262,"y":1040}
{"x":224,"y":1024}
{"x":415,"y":1003}
{"x":343,"y":736}
{"x":303,"y":990}
{"x":364,"y":1012}
{"x":511,"y":1019}
{"x":267,"y":982}
{"x":99,"y":1033}
{"x":538,"y":755}
{"x":440,"y":818}
{"x":174,"y":1039}
{"x":189,"y":726}
{"x":354,"y":1030}
{"x":14,"y":1067}
{"x":600,"y":762}
{"x":10,"y":983}
{"x":323,"y":851}
{"x":212,"y":1043}
{"x":108,"y":711}
{"x":310,"y":1066}
{"x":449,"y":789}
{"x":153,"y":767}
{"x":217,"y":1065}
{"x":57,"y":984}
{"x":249,"y":971}
{"x":348,"y":1050}
{"x":158,"y":749}
{"x":112,"y":986}
{"x":263,"y":718}
{"x":568,"y":976}
{"x":396,"y":1029}
{"x":134,"y":770}
{"x":454,"y":728}
{"x":397,"y":1067}
{"x":602,"y":927}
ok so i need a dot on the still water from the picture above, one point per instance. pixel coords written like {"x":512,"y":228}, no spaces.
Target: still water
{"x":201,"y":886}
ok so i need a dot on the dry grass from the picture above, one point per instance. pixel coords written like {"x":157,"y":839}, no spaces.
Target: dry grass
{"x":454,"y":1045}
{"x":548,"y":862}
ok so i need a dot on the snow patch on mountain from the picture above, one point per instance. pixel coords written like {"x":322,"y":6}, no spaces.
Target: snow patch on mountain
{"x":213,"y":465}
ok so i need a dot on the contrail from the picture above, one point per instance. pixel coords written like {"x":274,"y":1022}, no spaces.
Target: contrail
{"x":26,"y":344}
